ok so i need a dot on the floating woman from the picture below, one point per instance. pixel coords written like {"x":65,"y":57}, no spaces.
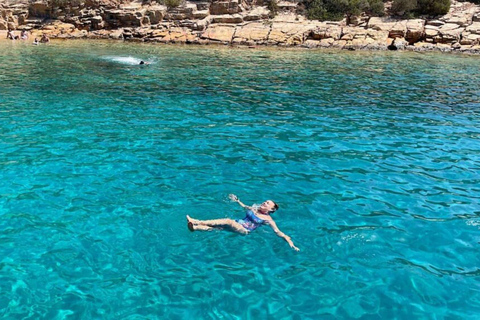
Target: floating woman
{"x":256,"y":216}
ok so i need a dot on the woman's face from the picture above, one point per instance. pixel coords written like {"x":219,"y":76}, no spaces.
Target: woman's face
{"x":267,"y":206}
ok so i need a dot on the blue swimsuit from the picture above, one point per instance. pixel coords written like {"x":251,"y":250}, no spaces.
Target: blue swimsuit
{"x":251,"y":221}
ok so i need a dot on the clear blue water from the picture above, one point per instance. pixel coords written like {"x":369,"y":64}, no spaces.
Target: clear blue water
{"x":374,"y":159}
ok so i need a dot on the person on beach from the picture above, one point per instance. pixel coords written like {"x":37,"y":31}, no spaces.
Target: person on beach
{"x":44,"y":39}
{"x":24,"y":35}
{"x":255,"y":217}
{"x":35,"y":42}
{"x":10,"y":35}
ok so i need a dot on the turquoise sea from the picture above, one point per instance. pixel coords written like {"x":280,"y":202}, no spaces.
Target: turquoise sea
{"x":373,"y":157}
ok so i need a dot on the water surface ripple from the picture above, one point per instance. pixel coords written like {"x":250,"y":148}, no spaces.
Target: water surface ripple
{"x":373,"y":158}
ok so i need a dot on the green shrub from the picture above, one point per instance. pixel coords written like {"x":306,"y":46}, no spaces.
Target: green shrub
{"x":173,"y":3}
{"x":403,"y":7}
{"x":338,"y":9}
{"x":421,"y":7}
{"x":433,"y":7}
{"x":272,"y":5}
{"x":376,"y":8}
{"x":317,"y":10}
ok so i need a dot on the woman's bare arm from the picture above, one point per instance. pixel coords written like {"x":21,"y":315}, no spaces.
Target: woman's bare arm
{"x":234,"y":198}
{"x":281,"y":234}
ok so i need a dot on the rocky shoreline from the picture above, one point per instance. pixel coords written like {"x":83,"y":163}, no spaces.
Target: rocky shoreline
{"x":234,"y":22}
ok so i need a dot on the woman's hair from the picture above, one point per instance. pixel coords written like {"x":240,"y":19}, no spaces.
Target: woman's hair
{"x":275,"y":207}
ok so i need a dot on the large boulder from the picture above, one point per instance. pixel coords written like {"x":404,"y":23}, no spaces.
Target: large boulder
{"x":116,"y":34}
{"x":474,"y":28}
{"x":326,"y":31}
{"x":431,"y":32}
{"x":123,"y":18}
{"x":415,"y":30}
{"x":202,"y":24}
{"x":257,"y":13}
{"x":39,"y":9}
{"x":326,"y":43}
{"x":12,"y":23}
{"x":449,"y":33}
{"x":182,"y":12}
{"x":220,"y":33}
{"x":460,"y":14}
{"x":251,"y":33}
{"x":476,"y":16}
{"x":470,"y":39}
{"x":396,"y":28}
{"x":156,"y":14}
{"x":201,"y":14}
{"x":471,"y":35}
{"x":97,"y":22}
{"x":3,"y":24}
{"x":435,"y":23}
{"x":218,"y":7}
{"x":109,"y":4}
{"x":287,"y":33}
{"x":228,"y":18}
{"x":378,"y":36}
{"x":350,"y":33}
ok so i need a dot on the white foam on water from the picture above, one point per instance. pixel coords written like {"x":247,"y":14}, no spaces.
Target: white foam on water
{"x":124,"y":60}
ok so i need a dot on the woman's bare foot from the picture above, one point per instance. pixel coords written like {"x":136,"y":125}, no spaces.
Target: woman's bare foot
{"x":202,"y":228}
{"x":192,"y":227}
{"x":190,"y":219}
{"x":193,"y":224}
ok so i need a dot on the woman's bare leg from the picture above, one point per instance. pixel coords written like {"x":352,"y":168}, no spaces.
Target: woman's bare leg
{"x":196,"y":227}
{"x":215,"y":224}
{"x":194,"y":221}
{"x":193,"y":226}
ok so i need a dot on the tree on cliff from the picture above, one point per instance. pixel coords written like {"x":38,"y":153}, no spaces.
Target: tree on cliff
{"x":339,"y":9}
{"x":433,"y":7}
{"x":421,"y":7}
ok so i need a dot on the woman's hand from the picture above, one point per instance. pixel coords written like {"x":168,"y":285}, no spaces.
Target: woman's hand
{"x":290,"y":242}
{"x":293,"y":247}
{"x":234,"y":198}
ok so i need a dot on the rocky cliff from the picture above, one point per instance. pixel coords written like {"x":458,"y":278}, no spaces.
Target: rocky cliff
{"x":246,"y":22}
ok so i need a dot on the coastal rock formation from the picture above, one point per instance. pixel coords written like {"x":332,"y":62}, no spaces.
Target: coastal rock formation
{"x":219,"y":33}
{"x":245,"y":22}
{"x":251,"y":34}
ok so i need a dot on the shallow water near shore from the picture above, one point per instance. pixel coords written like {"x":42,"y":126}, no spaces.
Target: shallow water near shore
{"x":373,"y":157}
